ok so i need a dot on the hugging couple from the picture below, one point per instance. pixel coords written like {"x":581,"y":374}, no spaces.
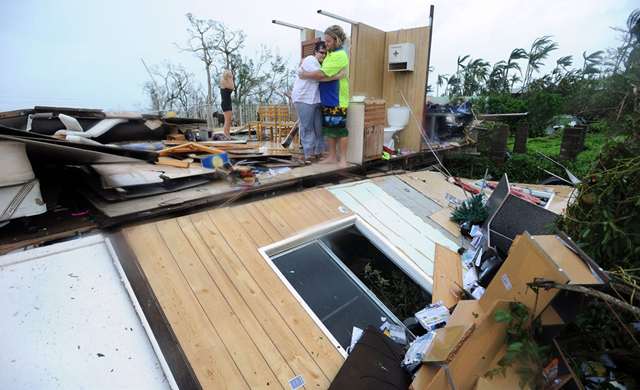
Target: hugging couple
{"x":321,"y":95}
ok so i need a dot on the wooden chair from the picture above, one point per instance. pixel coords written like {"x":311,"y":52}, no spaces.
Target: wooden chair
{"x":277,"y":119}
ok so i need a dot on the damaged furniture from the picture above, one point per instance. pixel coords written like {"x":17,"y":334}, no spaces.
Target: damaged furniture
{"x":531,"y":258}
{"x":19,"y":188}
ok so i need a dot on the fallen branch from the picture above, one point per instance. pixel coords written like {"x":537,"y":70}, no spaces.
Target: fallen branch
{"x":547,"y":284}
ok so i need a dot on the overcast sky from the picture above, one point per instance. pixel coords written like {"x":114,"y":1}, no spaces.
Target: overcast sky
{"x":87,"y":53}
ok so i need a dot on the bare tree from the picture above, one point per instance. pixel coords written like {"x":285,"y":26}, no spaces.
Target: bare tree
{"x":172,"y":88}
{"x":201,"y":41}
{"x":277,"y":81}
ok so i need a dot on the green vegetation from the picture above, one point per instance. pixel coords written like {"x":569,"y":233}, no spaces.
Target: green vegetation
{"x":529,"y":167}
{"x":604,"y":220}
{"x":603,"y":87}
{"x":523,"y":352}
{"x":471,"y":210}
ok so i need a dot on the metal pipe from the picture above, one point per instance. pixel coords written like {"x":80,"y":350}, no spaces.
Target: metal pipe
{"x":430,"y":25}
{"x":338,"y":17}
{"x":281,"y":23}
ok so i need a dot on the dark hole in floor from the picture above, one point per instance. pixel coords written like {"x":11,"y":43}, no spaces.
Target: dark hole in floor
{"x":387,"y":281}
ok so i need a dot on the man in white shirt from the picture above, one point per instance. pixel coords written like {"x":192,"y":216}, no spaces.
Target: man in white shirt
{"x":306,"y":99}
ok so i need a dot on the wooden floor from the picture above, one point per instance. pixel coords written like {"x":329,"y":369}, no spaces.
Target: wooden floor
{"x":236,"y":321}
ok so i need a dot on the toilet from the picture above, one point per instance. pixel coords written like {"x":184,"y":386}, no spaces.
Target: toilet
{"x":398,"y":118}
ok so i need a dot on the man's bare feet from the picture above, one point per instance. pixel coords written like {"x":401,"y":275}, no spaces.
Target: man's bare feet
{"x":343,"y":164}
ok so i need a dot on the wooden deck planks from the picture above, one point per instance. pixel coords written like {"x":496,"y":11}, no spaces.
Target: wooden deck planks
{"x":211,"y":256}
{"x":235,"y":337}
{"x":254,"y":303}
{"x":238,"y":324}
{"x":188,"y":320}
{"x":290,"y":310}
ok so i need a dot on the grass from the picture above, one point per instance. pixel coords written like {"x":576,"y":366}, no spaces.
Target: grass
{"x":550,"y":146}
{"x":529,"y":167}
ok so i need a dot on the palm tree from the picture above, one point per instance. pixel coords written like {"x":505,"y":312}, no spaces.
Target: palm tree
{"x":496,"y":77}
{"x":475,"y":74}
{"x":516,"y":54}
{"x":592,"y":62}
{"x":442,"y":79}
{"x":453,"y":86}
{"x":540,"y":49}
{"x":560,"y":71}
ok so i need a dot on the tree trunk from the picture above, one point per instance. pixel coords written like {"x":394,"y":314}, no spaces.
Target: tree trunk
{"x":209,"y":105}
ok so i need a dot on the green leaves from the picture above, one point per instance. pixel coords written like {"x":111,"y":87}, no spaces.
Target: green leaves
{"x":502,"y":316}
{"x":471,"y":210}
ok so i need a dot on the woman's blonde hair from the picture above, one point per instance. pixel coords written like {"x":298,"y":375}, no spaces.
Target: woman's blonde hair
{"x":226,"y":79}
{"x":337,"y":33}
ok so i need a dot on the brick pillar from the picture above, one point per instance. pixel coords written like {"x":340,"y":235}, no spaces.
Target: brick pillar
{"x":498,"y":147}
{"x":522,"y":133}
{"x":483,"y":140}
{"x":572,"y":142}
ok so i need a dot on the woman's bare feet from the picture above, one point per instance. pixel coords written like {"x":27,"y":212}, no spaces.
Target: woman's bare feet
{"x":328,"y":160}
{"x":343,"y":164}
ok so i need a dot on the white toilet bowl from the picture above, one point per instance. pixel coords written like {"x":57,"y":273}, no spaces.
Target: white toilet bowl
{"x":398,"y":118}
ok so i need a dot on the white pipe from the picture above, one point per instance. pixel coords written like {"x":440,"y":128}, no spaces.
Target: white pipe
{"x":338,"y":17}
{"x":281,"y":23}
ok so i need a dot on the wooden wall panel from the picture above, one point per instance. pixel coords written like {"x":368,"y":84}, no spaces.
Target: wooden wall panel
{"x":366,"y":56}
{"x":411,"y":84}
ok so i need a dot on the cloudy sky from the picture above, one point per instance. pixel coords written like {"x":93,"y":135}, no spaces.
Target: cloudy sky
{"x":87,"y":53}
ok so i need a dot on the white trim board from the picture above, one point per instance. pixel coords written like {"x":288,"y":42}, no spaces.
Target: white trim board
{"x":399,"y":225}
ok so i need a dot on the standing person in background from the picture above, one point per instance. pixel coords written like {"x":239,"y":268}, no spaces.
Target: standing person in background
{"x":334,"y":94}
{"x":226,"y":87}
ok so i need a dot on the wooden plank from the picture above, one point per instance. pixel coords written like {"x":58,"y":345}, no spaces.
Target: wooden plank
{"x":174,"y":162}
{"x":328,"y":204}
{"x":266,"y":208}
{"x":244,"y":218}
{"x":526,"y":262}
{"x":447,"y":277}
{"x":245,"y":294}
{"x":264,"y":222}
{"x":235,"y":337}
{"x":296,"y":214}
{"x":291,"y":312}
{"x":443,"y":218}
{"x":198,"y":338}
{"x":268,"y":349}
{"x":576,"y":269}
{"x":474,"y":357}
{"x":433,"y":185}
{"x":367,"y":64}
{"x":411,"y":84}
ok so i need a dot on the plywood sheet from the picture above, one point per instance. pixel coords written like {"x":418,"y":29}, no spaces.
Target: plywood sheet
{"x":474,"y":357}
{"x":447,"y":277}
{"x":366,"y":70}
{"x":443,"y":218}
{"x":433,"y":185}
{"x":411,"y":84}
{"x":526,"y":262}
{"x":576,"y":269}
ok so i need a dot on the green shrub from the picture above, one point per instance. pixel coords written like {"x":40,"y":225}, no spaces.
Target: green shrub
{"x":604,"y":219}
{"x":543,"y":106}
